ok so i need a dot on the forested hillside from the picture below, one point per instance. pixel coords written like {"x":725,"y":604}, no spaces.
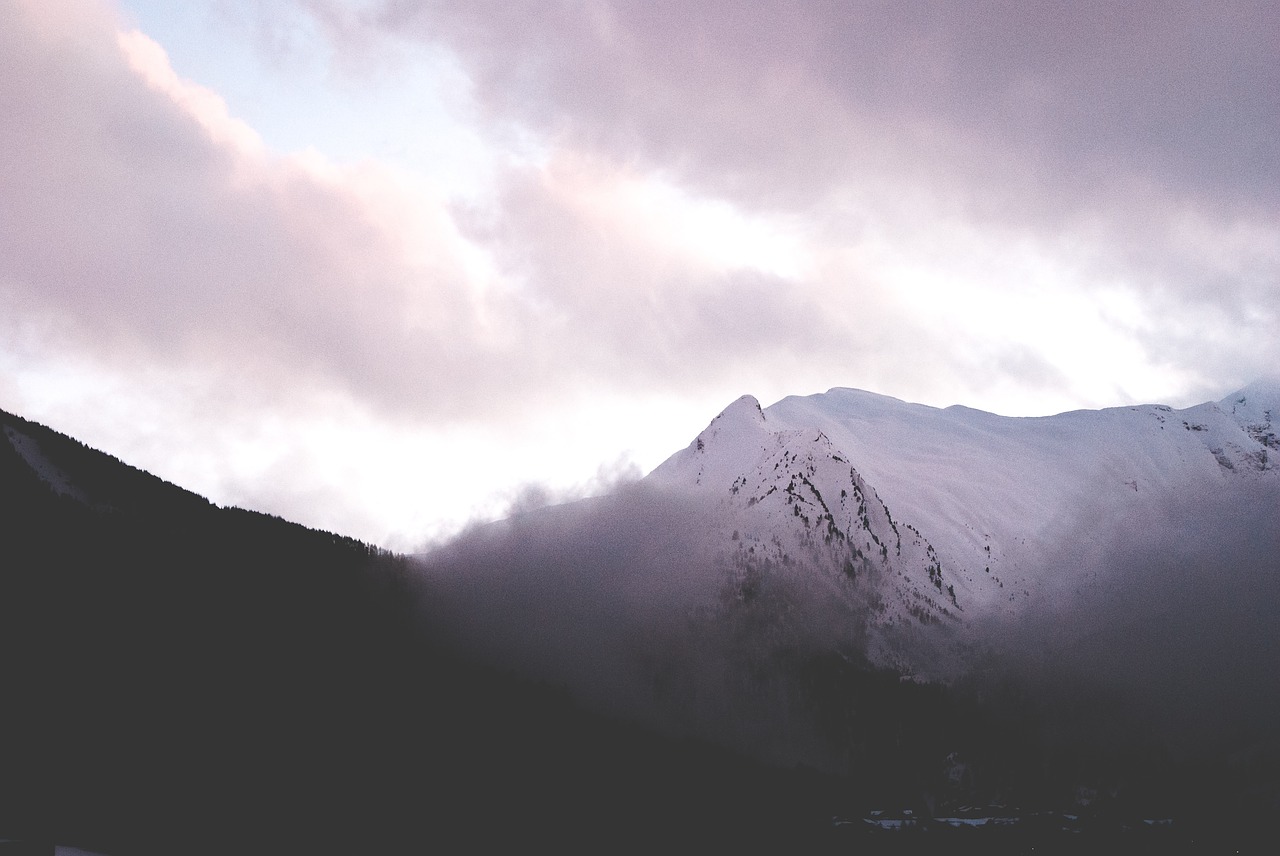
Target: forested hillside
{"x":183,"y":678}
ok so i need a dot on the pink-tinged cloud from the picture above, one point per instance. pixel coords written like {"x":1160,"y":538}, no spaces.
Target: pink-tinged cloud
{"x":148,"y":226}
{"x":143,"y":224}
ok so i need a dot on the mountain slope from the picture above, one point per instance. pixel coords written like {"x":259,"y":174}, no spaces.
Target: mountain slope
{"x":180,"y":678}
{"x":787,"y":502}
{"x":989,"y":501}
{"x":170,"y":666}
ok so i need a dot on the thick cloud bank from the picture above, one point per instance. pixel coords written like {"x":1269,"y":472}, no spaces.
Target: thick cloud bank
{"x":619,"y":600}
{"x":1155,"y":629}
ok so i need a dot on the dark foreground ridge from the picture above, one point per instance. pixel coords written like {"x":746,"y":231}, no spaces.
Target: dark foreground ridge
{"x":183,"y":678}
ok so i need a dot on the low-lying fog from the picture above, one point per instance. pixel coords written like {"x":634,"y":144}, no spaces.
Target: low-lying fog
{"x":1168,"y":621}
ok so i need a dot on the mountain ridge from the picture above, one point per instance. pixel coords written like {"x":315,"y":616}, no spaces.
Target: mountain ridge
{"x":185,"y":678}
{"x":990,"y":499}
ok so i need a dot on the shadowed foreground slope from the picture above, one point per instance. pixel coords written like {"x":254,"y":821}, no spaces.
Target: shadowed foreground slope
{"x":182,"y":678}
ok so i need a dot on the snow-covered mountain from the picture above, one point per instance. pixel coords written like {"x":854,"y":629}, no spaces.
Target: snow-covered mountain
{"x":936,"y":518}
{"x":783,"y":499}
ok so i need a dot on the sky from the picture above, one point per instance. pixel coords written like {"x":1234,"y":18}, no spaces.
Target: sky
{"x":386,"y":267}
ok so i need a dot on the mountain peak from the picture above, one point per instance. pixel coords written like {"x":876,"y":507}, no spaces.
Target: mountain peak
{"x":1256,"y":409}
{"x":713,"y":455}
{"x":745,"y":408}
{"x":1257,"y":397}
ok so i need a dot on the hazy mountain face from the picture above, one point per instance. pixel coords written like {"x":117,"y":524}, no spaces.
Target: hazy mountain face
{"x":1128,"y":553}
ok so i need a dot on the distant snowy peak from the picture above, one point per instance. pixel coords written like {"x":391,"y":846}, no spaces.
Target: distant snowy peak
{"x":1259,"y":400}
{"x":1241,"y":430}
{"x":1256,"y":408}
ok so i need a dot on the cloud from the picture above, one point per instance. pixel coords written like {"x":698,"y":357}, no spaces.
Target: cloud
{"x":1008,"y":205}
{"x":617,"y":600}
{"x":148,"y":225}
{"x":1177,"y":93}
{"x":156,"y":228}
{"x":615,"y":296}
{"x":874,"y":136}
{"x":174,"y":290}
{"x":1153,"y":626}
{"x":1128,"y":143}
